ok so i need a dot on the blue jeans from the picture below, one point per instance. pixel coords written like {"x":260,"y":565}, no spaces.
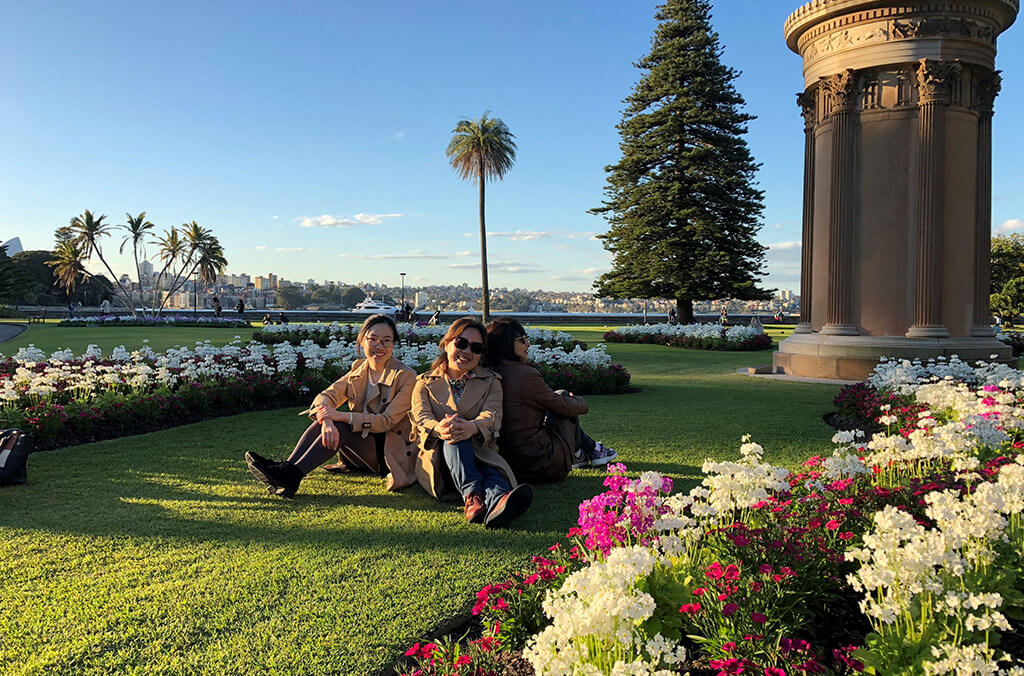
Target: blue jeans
{"x":470,"y":477}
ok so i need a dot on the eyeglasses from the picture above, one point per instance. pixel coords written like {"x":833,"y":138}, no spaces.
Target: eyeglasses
{"x":461,"y":343}
{"x":386,"y":342}
{"x":524,"y":339}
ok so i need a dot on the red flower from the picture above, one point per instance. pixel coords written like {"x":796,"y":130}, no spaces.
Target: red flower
{"x":759,"y":618}
{"x":699,"y":591}
{"x":833,"y":524}
{"x":729,"y":608}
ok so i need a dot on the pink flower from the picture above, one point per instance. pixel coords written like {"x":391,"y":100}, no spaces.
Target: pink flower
{"x":728,"y":647}
{"x":698,"y":591}
{"x":833,"y":524}
{"x":765,"y":569}
{"x":690,"y":608}
{"x":729,"y":608}
{"x":774,"y":671}
{"x":759,"y":618}
{"x":732,"y":572}
{"x":462,"y":660}
{"x":846,"y":536}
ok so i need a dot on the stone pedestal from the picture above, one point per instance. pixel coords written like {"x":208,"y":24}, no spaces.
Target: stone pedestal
{"x":897,"y":106}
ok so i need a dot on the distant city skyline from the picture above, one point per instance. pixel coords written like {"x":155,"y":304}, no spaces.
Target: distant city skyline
{"x":310,"y":137}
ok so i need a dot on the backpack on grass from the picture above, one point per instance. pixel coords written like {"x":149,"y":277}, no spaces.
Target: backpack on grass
{"x":15,"y":446}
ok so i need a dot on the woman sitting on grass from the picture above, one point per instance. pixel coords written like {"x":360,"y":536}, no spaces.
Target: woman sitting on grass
{"x":541,"y":437}
{"x":373,"y":435}
{"x":456,"y":410}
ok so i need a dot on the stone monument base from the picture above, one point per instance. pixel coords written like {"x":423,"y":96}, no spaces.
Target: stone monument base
{"x":815,"y":355}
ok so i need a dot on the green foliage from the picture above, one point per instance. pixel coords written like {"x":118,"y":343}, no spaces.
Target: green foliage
{"x":1007,"y":259}
{"x":682,"y":204}
{"x":1009,"y":302}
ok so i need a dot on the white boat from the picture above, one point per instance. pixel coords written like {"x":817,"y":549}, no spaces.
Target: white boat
{"x":371,"y":306}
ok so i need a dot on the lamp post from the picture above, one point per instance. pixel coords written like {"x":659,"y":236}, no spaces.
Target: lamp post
{"x":195,"y":294}
{"x":403,"y":295}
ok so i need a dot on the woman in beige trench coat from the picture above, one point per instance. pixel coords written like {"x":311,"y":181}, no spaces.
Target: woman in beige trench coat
{"x":373,"y":435}
{"x":456,"y":412}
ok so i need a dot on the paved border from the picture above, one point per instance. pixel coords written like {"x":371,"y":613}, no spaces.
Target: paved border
{"x":8,"y":331}
{"x":796,"y":379}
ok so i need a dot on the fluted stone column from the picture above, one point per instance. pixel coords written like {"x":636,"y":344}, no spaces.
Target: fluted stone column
{"x":985,"y":91}
{"x":934,"y":82}
{"x":808,"y":102}
{"x":841,"y":90}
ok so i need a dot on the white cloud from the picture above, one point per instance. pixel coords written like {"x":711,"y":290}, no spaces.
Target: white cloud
{"x":1011,"y":225}
{"x":590,"y":234}
{"x":412,"y":255}
{"x":292,"y":249}
{"x":498,"y":266}
{"x":592,"y":271}
{"x":782,"y":263}
{"x":521,"y":235}
{"x":263,"y":247}
{"x":275,"y":218}
{"x":328,"y":221}
{"x":398,"y":135}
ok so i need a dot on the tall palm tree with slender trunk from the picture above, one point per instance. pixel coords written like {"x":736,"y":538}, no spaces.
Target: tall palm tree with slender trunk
{"x":172,"y":249}
{"x":87,"y":230}
{"x":482,"y":148}
{"x":138,"y":228}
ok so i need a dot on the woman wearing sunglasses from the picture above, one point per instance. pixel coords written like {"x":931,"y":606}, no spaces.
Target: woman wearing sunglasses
{"x":456,"y":411}
{"x":541,"y":437}
{"x":372,"y":433}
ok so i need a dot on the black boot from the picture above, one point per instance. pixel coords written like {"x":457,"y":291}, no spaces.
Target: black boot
{"x":283,"y":478}
{"x":250,"y":456}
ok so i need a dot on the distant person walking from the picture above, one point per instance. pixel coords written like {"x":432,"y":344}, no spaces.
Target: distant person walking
{"x":240,"y":307}
{"x":105,"y":306}
{"x":216,"y":307}
{"x":435,"y":318}
{"x":723,"y":318}
{"x":671,"y":315}
{"x":71,"y":310}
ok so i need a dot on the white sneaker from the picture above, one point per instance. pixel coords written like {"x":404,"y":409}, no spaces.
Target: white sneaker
{"x":602,"y":455}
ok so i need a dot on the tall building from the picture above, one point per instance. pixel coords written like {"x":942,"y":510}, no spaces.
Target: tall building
{"x":146,"y":273}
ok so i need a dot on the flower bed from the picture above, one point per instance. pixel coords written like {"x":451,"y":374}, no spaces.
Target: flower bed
{"x":902,"y":554}
{"x":157,"y":320}
{"x":64,"y":399}
{"x":410,"y":334}
{"x":693,"y":336}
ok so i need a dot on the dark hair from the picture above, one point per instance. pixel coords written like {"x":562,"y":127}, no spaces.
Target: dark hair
{"x":372,"y":321}
{"x":453,"y":332}
{"x":502,"y":335}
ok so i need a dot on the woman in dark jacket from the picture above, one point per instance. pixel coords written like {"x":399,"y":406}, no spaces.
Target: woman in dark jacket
{"x":541,"y":437}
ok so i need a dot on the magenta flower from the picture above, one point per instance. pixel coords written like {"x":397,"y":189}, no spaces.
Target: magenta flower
{"x":729,"y":608}
{"x":759,"y":618}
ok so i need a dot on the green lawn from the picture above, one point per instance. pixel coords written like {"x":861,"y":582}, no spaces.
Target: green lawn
{"x":49,"y":337}
{"x":159,"y":554}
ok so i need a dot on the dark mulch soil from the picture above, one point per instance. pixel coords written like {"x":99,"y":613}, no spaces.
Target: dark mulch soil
{"x":838,"y":421}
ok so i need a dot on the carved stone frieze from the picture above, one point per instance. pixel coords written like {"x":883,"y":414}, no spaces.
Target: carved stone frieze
{"x":930,"y":26}
{"x":898,"y":29}
{"x":986,"y":89}
{"x":935,"y":80}
{"x":841,"y":91}
{"x":808,"y":102}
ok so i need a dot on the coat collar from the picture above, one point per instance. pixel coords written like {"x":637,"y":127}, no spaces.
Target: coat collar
{"x":361,"y":369}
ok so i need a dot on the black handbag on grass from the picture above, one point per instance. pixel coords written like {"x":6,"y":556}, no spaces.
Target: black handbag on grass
{"x":15,"y":446}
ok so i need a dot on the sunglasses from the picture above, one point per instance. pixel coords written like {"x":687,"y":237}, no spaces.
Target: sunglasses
{"x":461,"y":343}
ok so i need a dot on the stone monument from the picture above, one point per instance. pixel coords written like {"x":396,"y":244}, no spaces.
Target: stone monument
{"x":897,"y":109}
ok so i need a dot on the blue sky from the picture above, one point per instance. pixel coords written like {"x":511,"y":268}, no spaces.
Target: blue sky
{"x":310,"y":136}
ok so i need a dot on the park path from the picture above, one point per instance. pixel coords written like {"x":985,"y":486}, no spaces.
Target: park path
{"x":8,"y":331}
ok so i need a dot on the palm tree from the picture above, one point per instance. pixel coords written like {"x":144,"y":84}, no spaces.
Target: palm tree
{"x":138,"y":229}
{"x":172,"y":249}
{"x":87,"y":230}
{"x":482,"y":148}
{"x":68,"y":265}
